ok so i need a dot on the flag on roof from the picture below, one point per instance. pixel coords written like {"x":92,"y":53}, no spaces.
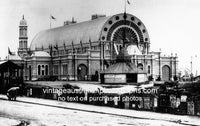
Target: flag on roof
{"x":9,"y":52}
{"x":56,"y":47}
{"x":52,"y":17}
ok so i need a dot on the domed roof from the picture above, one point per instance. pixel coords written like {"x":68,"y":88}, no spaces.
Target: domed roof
{"x":40,"y":54}
{"x":83,"y":31}
{"x":102,"y":28}
{"x":23,"y":22}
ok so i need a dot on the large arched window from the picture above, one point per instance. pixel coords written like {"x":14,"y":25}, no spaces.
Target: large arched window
{"x":131,"y":36}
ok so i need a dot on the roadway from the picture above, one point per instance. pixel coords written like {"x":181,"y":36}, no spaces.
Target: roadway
{"x":37,"y":112}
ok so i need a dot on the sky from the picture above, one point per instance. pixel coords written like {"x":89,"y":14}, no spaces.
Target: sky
{"x":173,"y":25}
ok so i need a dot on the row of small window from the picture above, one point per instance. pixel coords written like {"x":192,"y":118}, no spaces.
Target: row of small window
{"x":43,"y":69}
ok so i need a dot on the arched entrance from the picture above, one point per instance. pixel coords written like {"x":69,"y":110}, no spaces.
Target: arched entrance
{"x":165,"y":73}
{"x":82,"y":72}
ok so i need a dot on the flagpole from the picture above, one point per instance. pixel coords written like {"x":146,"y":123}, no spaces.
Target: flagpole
{"x":8,"y":54}
{"x":125,"y":6}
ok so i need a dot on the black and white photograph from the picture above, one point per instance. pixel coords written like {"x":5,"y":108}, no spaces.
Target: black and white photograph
{"x":99,"y":63}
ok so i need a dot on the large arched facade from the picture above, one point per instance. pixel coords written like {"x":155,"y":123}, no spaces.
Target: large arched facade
{"x":104,"y":29}
{"x":96,"y":43}
{"x":129,"y":26}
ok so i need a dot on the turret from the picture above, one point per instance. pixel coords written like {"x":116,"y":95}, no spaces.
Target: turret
{"x":23,"y":38}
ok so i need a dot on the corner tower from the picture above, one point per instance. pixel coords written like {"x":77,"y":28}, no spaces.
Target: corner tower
{"x":23,"y":38}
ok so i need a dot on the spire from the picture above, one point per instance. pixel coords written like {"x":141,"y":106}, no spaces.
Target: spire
{"x":23,"y":38}
{"x":23,"y":21}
